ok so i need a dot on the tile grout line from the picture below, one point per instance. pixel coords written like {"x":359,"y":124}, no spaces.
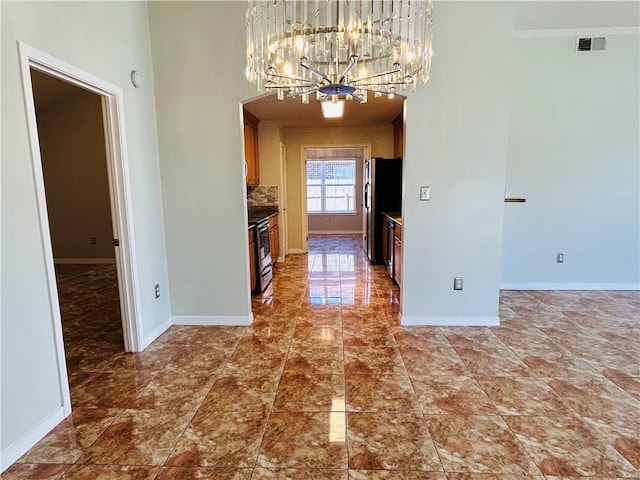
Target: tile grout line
{"x":271,"y":409}
{"x":433,"y":441}
{"x":188,"y":424}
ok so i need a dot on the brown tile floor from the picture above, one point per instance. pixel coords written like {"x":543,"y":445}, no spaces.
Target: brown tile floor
{"x":326,"y":385}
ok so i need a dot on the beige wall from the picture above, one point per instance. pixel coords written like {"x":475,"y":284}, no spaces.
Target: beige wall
{"x":74,"y":162}
{"x":379,"y":137}
{"x":270,"y":135}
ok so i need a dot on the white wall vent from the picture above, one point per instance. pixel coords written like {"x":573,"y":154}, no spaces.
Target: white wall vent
{"x":590,"y":44}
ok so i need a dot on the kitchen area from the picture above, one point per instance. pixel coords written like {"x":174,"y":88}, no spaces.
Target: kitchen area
{"x":382,"y":203}
{"x":276,"y":139}
{"x":263,"y":212}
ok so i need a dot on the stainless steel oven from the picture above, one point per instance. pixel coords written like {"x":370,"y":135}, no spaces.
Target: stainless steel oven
{"x":264,"y":272}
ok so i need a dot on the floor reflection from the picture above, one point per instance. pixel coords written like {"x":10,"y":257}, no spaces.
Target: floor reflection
{"x":325,"y":378}
{"x":339,"y":274}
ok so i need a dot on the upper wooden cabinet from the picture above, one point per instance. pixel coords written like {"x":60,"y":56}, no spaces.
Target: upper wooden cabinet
{"x":398,"y":136}
{"x":251,"y":148}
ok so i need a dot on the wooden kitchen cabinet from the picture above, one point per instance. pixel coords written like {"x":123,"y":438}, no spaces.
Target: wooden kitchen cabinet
{"x":387,"y":242}
{"x":251,"y":149}
{"x":252,"y":257}
{"x":274,"y":238}
{"x":397,"y":254}
{"x":398,"y":136}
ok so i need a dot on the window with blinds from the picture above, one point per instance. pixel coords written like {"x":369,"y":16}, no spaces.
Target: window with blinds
{"x":331,"y":186}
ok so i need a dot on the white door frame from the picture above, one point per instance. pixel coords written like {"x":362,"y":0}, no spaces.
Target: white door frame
{"x":120,"y":197}
{"x":366,"y":147}
{"x":284,"y":197}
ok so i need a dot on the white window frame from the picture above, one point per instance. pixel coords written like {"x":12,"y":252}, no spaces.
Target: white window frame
{"x":323,"y":186}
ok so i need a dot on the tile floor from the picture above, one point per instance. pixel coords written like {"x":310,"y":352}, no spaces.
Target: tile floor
{"x":326,"y":385}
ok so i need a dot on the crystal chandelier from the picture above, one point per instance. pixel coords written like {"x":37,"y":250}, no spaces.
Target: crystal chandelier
{"x":338,"y":48}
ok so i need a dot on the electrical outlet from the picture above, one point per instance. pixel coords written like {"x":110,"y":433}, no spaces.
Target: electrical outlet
{"x":425,"y":193}
{"x":93,"y":240}
{"x":157,"y":290}
{"x":560,"y":258}
{"x":457,"y":283}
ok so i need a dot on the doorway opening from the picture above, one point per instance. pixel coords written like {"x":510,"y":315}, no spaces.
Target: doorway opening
{"x":74,"y":166}
{"x":375,"y":128}
{"x":76,"y":132}
{"x":333,"y":179}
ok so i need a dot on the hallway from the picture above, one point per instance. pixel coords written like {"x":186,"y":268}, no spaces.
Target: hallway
{"x":326,"y":385}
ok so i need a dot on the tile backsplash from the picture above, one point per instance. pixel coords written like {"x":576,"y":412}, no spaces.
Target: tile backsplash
{"x":262,"y":196}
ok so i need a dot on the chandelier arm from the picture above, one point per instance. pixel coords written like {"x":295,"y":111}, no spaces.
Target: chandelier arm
{"x":307,"y":92}
{"x":354,"y":61}
{"x":357,"y":81}
{"x":293,"y":85}
{"x":290,"y":77}
{"x":315,"y":72}
{"x":364,"y":85}
{"x":383,"y":92}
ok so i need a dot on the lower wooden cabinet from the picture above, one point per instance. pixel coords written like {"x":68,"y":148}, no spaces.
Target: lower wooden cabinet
{"x":252,"y":257}
{"x":397,"y":254}
{"x":274,"y":238}
{"x":385,"y":241}
{"x":392,"y":246}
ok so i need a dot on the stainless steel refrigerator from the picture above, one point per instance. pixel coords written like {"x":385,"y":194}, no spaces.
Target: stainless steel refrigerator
{"x":382,"y":192}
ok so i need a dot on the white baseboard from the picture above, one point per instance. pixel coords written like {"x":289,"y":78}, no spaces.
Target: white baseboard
{"x":296,"y":251}
{"x":239,"y":321}
{"x":406,"y":320}
{"x":83,"y":261}
{"x":281,"y":259}
{"x":21,"y":446}
{"x":570,"y":286}
{"x":149,"y":338}
{"x":335,"y":232}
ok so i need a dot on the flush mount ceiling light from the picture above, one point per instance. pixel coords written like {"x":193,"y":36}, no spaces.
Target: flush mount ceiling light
{"x":343,"y":48}
{"x":332,"y":108}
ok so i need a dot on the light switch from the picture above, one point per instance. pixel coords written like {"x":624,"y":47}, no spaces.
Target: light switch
{"x":425,"y":193}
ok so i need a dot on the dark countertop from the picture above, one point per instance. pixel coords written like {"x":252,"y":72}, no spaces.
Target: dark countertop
{"x":395,"y":216}
{"x":257,"y":214}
